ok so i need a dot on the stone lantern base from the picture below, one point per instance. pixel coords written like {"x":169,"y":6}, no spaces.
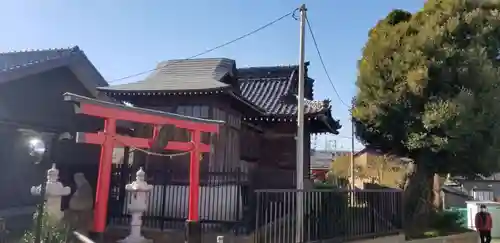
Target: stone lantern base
{"x":135,"y":239}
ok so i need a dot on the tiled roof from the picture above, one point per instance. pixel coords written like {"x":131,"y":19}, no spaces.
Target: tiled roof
{"x":271,"y":87}
{"x":269,"y":90}
{"x":459,"y":191}
{"x":321,"y":159}
{"x":175,"y":75}
{"x":18,"y":64}
{"x":18,"y":59}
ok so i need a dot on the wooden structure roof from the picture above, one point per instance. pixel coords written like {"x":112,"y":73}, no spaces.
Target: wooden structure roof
{"x":273,"y":89}
{"x":269,"y":90}
{"x":179,"y":75}
{"x":19,"y":64}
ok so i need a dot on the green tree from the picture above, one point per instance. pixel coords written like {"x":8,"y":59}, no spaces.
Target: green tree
{"x":428,"y":90}
{"x":341,"y":166}
{"x":381,"y":164}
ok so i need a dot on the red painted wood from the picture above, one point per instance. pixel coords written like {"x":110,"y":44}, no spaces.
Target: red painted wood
{"x":104,"y":177}
{"x":194,"y":177}
{"x":118,"y":114}
{"x":156,"y":132}
{"x":126,"y":141}
{"x":109,"y":140}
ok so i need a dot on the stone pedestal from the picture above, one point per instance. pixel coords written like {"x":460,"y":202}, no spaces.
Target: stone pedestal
{"x":139,"y":190}
{"x":54,"y":191}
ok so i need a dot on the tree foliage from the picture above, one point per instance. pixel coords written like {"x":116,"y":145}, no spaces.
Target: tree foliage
{"x":428,"y":89}
{"x":428,"y":86}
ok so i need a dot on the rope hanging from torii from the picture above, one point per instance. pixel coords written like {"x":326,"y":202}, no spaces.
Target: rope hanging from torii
{"x":108,"y":139}
{"x":161,"y":140}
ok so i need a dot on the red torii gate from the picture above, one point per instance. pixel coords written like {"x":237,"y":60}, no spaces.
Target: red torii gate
{"x":108,"y":139}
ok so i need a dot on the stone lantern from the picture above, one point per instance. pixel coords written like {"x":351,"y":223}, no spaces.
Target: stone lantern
{"x":54,"y":191}
{"x":139,"y":190}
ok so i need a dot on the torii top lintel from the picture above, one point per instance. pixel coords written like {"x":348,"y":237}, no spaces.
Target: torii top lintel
{"x":104,"y":109}
{"x":112,"y":112}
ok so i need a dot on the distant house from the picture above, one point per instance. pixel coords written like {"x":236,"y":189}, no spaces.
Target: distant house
{"x":455,"y":196}
{"x":371,"y":166}
{"x":320,"y":163}
{"x":456,"y":191}
{"x":339,"y":153}
{"x":363,"y":157}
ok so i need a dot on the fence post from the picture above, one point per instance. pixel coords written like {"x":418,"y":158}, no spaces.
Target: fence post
{"x":257,"y":218}
{"x":373,"y":203}
{"x":124,"y":170}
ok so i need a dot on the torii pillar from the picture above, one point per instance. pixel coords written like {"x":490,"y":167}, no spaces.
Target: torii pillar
{"x":108,"y":139}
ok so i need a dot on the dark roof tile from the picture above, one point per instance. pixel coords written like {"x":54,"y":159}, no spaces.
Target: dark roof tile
{"x":269,"y":88}
{"x":175,"y":75}
{"x":15,"y":60}
{"x":19,"y":64}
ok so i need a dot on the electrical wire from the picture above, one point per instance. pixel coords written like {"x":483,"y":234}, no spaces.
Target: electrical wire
{"x":350,"y":107}
{"x":323,"y":64}
{"x":211,"y":49}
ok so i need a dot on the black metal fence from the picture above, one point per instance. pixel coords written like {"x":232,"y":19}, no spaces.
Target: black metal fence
{"x":229,"y":206}
{"x":223,"y":199}
{"x":327,"y":215}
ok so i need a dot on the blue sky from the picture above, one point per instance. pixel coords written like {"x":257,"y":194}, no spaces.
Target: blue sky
{"x":123,"y":37}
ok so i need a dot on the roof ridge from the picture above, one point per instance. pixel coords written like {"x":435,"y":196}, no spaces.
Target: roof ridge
{"x":269,"y":67}
{"x":15,"y":60}
{"x":175,"y":61}
{"x":285,"y":66}
{"x":262,"y":79}
{"x":70,"y":48}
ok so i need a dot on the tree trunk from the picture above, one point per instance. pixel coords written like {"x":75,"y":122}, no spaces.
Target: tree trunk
{"x":436,"y":192}
{"x":417,"y":198}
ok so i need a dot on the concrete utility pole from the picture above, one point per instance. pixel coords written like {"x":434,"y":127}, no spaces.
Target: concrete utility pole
{"x":300,"y":128}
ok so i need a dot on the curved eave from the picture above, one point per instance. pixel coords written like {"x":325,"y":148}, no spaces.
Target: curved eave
{"x":113,"y":92}
{"x":325,"y":123}
{"x":321,"y":121}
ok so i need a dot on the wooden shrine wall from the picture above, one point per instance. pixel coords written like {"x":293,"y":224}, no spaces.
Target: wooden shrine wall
{"x":217,"y":166}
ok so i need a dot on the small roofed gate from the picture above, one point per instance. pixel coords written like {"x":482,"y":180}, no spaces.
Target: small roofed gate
{"x":163,"y":124}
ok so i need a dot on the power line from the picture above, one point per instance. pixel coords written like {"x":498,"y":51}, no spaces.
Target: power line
{"x":352,"y":163}
{"x":323,"y":63}
{"x":214,"y":48}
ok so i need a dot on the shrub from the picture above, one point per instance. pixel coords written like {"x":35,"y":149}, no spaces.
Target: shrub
{"x":441,"y":224}
{"x":52,"y":231}
{"x":446,"y":221}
